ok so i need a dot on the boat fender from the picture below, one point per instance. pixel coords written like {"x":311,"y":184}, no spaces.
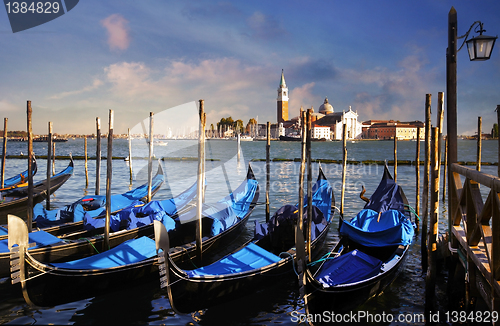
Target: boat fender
{"x":390,"y":264}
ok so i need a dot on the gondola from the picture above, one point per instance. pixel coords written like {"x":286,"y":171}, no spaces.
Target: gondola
{"x":88,"y":238}
{"x":69,"y":218}
{"x":19,"y":178}
{"x":265,"y":259}
{"x":369,"y":256}
{"x":48,"y":284}
{"x":14,"y":200}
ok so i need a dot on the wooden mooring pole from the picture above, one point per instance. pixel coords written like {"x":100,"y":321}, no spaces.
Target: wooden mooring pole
{"x":29,"y":208}
{"x":396,"y":156}
{"x":498,"y":135}
{"x":433,"y":225}
{"x":238,"y":146}
{"x":268,"y":169}
{"x":479,"y":143}
{"x":201,"y":177}
{"x":98,"y":157}
{"x":445,"y":167}
{"x":49,"y":161}
{"x":417,"y":179}
{"x":300,"y":259}
{"x":344,"y":165}
{"x":86,"y":164}
{"x":109,"y":173}
{"x":53,"y":158}
{"x":4,"y":149}
{"x":440,"y":119}
{"x":425,"y":194}
{"x":150,"y":158}
{"x":130,"y":155}
{"x":309,"y":182}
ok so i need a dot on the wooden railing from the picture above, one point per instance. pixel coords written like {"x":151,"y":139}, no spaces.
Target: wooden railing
{"x":476,"y":227}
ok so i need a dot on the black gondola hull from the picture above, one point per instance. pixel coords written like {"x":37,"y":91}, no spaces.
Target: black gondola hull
{"x":348,"y":298}
{"x":48,"y":288}
{"x":191,"y":296}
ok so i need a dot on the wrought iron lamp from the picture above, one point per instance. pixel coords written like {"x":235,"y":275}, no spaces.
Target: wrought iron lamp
{"x":479,"y":47}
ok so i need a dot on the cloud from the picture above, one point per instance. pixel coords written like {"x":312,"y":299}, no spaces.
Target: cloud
{"x":301,"y":96}
{"x":95,"y":84}
{"x":118,"y":32}
{"x":381,"y":93}
{"x":308,"y":69}
{"x":265,"y":27}
{"x":130,"y":78}
{"x":7,"y":107}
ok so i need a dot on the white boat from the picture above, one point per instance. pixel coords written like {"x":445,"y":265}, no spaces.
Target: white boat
{"x":246,"y":138}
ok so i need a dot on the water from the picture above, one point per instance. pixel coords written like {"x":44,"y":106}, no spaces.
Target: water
{"x":279,"y":305}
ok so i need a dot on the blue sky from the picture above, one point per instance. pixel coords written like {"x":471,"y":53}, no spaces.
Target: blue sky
{"x":135,"y":57}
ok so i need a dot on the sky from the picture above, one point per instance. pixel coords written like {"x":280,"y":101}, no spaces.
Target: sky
{"x":380,"y":58}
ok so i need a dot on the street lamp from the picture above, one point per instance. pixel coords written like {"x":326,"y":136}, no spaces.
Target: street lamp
{"x":479,"y":47}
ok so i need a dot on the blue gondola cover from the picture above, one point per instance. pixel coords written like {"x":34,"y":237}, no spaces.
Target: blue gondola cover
{"x":392,"y":228}
{"x":349,"y":268}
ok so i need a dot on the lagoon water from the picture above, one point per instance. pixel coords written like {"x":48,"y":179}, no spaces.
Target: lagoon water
{"x":280,"y":304}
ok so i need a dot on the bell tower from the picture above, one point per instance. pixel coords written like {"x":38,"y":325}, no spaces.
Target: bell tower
{"x":282,"y":100}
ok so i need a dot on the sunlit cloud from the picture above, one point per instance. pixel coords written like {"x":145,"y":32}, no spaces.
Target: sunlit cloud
{"x":7,"y":107}
{"x":301,"y":96}
{"x":265,"y":27}
{"x":118,"y":32}
{"x":95,"y":84}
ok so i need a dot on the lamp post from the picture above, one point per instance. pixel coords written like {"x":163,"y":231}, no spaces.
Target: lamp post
{"x":479,"y":49}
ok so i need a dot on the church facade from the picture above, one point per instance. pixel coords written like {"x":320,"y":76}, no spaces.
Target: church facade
{"x":322,"y":121}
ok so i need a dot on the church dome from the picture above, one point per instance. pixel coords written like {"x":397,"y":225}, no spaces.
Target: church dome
{"x":326,"y":108}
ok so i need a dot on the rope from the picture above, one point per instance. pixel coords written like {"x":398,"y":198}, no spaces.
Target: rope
{"x":293,"y":264}
{"x":324,"y":258}
{"x":189,"y":256}
{"x":413,"y":211}
{"x":88,"y":240}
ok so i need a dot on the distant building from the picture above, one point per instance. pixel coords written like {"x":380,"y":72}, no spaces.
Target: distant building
{"x":321,"y":132}
{"x":335,"y":120}
{"x":282,"y":100}
{"x":389,"y":129}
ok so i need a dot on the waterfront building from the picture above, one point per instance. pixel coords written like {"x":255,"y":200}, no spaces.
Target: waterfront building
{"x":389,"y":129}
{"x":321,"y":132}
{"x":282,"y":100}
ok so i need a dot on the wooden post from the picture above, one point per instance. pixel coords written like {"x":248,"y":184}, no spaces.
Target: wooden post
{"x":300,"y":258}
{"x":439,"y":125}
{"x":425,"y":195}
{"x":150,"y":159}
{"x":309,"y":181}
{"x":4,"y":150}
{"x":109,"y":172}
{"x":49,"y":161}
{"x":344,"y":165}
{"x":98,"y":157}
{"x":479,"y":143}
{"x":417,"y":179}
{"x":396,"y":155}
{"x":86,"y":164}
{"x":433,"y":225}
{"x":201,"y":177}
{"x":29,"y":207}
{"x":238,"y":146}
{"x":451,"y":113}
{"x":445,"y":167}
{"x":268,"y":168}
{"x":130,"y":155}
{"x":53,"y":158}
{"x":498,"y":135}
